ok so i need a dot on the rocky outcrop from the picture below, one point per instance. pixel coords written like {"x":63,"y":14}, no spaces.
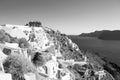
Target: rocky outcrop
{"x":40,"y":53}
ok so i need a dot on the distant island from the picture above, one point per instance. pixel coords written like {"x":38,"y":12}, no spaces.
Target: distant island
{"x":103,"y":35}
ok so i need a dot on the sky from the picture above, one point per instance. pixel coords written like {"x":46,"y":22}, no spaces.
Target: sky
{"x":67,"y":16}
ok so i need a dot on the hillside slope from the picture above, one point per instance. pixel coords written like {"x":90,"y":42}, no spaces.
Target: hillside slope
{"x":92,"y":34}
{"x":110,"y":35}
{"x":103,"y":35}
{"x":40,"y":53}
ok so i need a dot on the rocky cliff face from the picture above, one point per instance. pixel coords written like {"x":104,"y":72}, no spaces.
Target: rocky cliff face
{"x":40,"y":53}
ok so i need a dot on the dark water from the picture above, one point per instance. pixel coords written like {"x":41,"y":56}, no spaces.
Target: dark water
{"x":106,"y":48}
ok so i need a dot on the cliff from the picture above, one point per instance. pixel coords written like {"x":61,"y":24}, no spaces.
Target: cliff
{"x":40,"y":53}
